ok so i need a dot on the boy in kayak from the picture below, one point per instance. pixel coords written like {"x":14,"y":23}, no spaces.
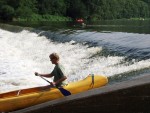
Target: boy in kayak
{"x":58,"y":72}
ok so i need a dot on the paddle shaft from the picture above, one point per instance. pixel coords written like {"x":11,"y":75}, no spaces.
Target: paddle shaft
{"x":45,"y":79}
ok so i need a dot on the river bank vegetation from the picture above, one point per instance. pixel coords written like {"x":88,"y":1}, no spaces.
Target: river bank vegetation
{"x":68,"y":10}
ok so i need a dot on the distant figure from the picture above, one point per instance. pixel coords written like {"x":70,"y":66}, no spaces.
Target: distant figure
{"x":81,"y":22}
{"x":58,"y":72}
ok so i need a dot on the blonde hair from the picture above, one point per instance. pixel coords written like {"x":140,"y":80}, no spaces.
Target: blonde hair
{"x":54,"y":55}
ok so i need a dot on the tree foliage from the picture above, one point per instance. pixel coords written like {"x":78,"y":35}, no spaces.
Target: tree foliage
{"x":87,"y":9}
{"x":75,"y":10}
{"x":7,"y":12}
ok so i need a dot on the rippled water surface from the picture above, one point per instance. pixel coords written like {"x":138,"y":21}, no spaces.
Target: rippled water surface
{"x":118,"y":55}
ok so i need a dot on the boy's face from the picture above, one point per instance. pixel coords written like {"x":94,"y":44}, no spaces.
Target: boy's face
{"x":54,"y":60}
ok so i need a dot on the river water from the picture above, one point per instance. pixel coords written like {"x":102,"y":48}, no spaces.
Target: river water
{"x":119,"y":51}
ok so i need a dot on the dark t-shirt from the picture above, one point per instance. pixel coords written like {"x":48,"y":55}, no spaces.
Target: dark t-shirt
{"x":58,"y":73}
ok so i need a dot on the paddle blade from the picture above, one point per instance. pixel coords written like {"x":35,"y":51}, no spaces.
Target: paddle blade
{"x":64,"y":91}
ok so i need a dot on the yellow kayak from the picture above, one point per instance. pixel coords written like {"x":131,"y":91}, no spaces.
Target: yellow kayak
{"x":28,"y":97}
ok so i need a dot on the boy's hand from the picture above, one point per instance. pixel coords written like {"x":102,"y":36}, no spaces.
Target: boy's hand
{"x":36,"y":74}
{"x":53,"y":84}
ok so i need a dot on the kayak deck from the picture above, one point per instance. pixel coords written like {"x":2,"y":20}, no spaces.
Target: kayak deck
{"x":23,"y":91}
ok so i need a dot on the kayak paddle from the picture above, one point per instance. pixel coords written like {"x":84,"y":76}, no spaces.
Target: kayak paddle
{"x":61,"y":89}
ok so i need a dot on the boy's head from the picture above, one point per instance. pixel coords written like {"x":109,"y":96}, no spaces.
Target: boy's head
{"x":54,"y":57}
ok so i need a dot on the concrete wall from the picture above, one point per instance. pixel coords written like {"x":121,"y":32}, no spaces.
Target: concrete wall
{"x":126,"y":97}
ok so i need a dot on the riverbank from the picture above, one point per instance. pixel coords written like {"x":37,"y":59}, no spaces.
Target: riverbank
{"x":129,"y":26}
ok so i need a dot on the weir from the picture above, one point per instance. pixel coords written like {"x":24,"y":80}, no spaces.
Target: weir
{"x":132,"y":96}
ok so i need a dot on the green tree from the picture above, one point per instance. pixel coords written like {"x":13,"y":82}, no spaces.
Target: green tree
{"x":31,"y":4}
{"x":26,"y":9}
{"x":144,"y":9}
{"x":91,"y":9}
{"x":13,"y":3}
{"x":77,"y":9}
{"x":7,"y":12}
{"x":58,"y":7}
{"x":24,"y":12}
{"x":52,"y":7}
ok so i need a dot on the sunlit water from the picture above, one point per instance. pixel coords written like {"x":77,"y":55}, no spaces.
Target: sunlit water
{"x":81,"y":52}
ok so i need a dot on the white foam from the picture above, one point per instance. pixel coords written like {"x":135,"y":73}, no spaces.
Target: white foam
{"x":23,"y":53}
